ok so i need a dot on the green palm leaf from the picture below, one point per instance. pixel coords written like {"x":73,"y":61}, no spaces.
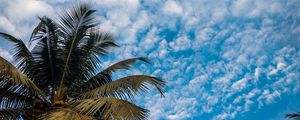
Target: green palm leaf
{"x":104,"y":76}
{"x":109,"y":108}
{"x":34,"y":35}
{"x":295,"y":116}
{"x":23,"y":56}
{"x":87,"y":57}
{"x":14,"y":96}
{"x":12,"y":75}
{"x":64,"y":114}
{"x":125,"y":87}
{"x":47,"y":54}
{"x":11,"y":92}
{"x":10,"y":114}
{"x":74,"y":24}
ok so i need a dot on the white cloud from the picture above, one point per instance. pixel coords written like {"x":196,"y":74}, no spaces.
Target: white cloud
{"x":199,"y":80}
{"x":150,"y":40}
{"x":220,"y":13}
{"x":172,"y":7}
{"x":242,"y":7}
{"x":129,"y":7}
{"x":237,"y":100}
{"x":268,"y":97}
{"x":234,"y":48}
{"x":5,"y":54}
{"x":202,"y":37}
{"x":224,"y":116}
{"x":20,"y":10}
{"x":120,"y":18}
{"x":257,"y":73}
{"x":23,"y":14}
{"x":6,"y":25}
{"x":212,"y":100}
{"x":181,"y":43}
{"x":239,"y":85}
{"x":184,"y":108}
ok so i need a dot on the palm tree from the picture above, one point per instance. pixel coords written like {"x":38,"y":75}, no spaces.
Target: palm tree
{"x":60,"y":77}
{"x":295,"y":116}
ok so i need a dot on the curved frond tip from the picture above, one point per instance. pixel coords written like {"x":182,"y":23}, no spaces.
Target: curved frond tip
{"x":22,"y":55}
{"x":295,"y":116}
{"x":104,"y":76}
{"x":126,"y":87}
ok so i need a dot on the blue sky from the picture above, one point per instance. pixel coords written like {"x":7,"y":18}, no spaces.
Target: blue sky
{"x":222,"y":59}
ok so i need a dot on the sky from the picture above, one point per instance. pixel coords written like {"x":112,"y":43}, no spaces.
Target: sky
{"x":222,"y":59}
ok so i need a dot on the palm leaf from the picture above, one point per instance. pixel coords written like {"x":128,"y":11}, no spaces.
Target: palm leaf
{"x":109,"y":108}
{"x":125,"y":64}
{"x":23,"y":57}
{"x":35,"y":31}
{"x":10,"y":114}
{"x":99,"y":42}
{"x":295,"y":116}
{"x":126,"y":87}
{"x":12,"y":92}
{"x":74,"y":24}
{"x":48,"y":54}
{"x":104,"y":76}
{"x":64,"y":114}
{"x":13,"y":76}
{"x":14,"y":96}
{"x":87,"y":57}
{"x":7,"y":103}
{"x":76,"y":21}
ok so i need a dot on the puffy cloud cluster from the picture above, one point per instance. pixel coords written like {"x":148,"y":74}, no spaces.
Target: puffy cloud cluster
{"x":18,"y":16}
{"x":221,"y":59}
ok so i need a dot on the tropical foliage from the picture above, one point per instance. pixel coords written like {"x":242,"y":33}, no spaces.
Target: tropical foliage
{"x":295,"y":116}
{"x":61,"y":78}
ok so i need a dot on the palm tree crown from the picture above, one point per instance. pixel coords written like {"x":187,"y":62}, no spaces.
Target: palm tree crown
{"x":60,"y":78}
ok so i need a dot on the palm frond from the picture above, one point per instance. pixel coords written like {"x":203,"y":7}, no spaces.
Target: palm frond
{"x":13,"y":103}
{"x":126,"y":87}
{"x":11,"y":75}
{"x":109,"y":108}
{"x":125,"y":64}
{"x":64,"y":114}
{"x":10,"y":114}
{"x":76,"y":21}
{"x":34,"y":35}
{"x":104,"y":76}
{"x":22,"y":56}
{"x":12,"y":92}
{"x":14,"y":96}
{"x":75,"y":24}
{"x":295,"y":116}
{"x":99,"y":42}
{"x":86,"y":57}
{"x":47,"y":53}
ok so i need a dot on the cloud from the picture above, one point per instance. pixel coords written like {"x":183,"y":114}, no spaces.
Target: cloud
{"x":6,"y":25}
{"x":240,"y":84}
{"x":237,"y":56}
{"x":19,"y":16}
{"x":5,"y":54}
{"x":172,"y":8}
{"x":181,"y":43}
